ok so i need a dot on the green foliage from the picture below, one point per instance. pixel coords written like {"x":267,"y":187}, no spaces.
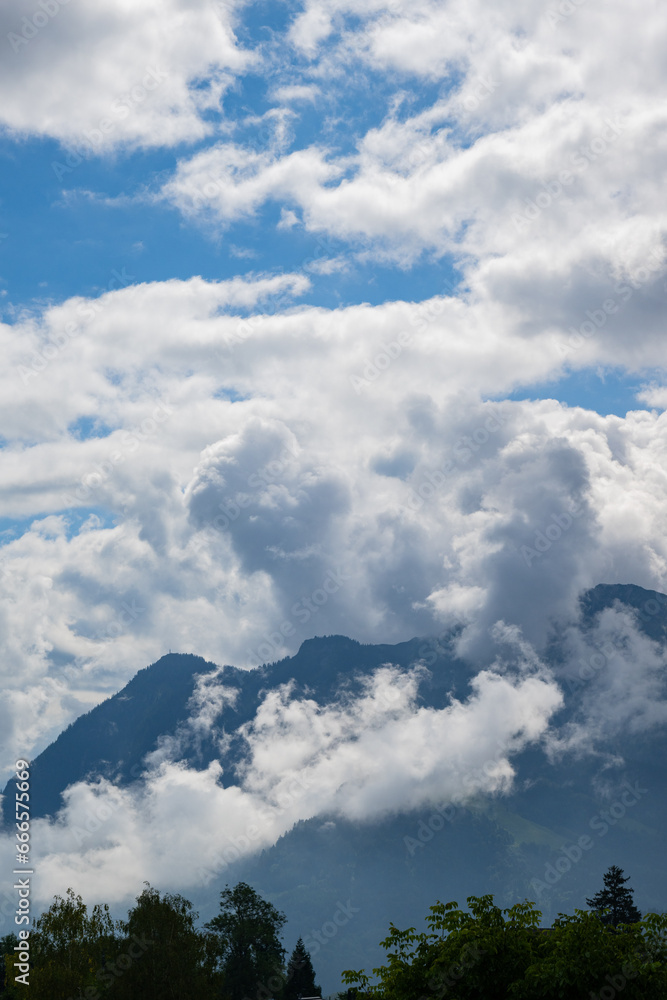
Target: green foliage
{"x":248,"y":949}
{"x":582,"y":957}
{"x":300,"y":975}
{"x":493,"y":953}
{"x":462,"y":954}
{"x":614,"y":904}
{"x":481,"y":952}
{"x":161,"y":955}
{"x":67,"y":947}
{"x":7,"y":955}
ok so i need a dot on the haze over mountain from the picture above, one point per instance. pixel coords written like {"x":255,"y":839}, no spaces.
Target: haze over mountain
{"x":365,"y":781}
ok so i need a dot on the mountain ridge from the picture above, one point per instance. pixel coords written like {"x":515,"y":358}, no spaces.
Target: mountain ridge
{"x":112,"y":739}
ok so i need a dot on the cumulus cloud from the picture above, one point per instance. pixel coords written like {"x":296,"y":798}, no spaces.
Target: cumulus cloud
{"x":532,"y":132}
{"x":257,"y":477}
{"x":617,"y":674}
{"x":97,"y":77}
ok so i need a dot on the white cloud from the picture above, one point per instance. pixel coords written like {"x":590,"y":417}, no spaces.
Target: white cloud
{"x":617,"y":674}
{"x":99,"y":76}
{"x":362,"y":760}
{"x":252,"y":511}
{"x":296,"y":92}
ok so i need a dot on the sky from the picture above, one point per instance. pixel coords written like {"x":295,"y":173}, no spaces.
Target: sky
{"x":324,"y":317}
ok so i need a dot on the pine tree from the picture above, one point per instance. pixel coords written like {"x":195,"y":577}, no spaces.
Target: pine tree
{"x":616,"y":899}
{"x":300,"y":978}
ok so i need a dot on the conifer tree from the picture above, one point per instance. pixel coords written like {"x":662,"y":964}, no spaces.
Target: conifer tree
{"x":300,"y":978}
{"x":616,"y":899}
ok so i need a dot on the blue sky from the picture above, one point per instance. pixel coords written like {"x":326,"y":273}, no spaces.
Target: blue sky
{"x":367,"y":292}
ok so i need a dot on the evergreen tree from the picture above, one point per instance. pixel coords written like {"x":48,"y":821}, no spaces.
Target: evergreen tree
{"x":300,"y":978}
{"x":616,"y":899}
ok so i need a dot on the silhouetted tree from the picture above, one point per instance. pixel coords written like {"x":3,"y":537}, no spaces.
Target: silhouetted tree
{"x":616,"y":899}
{"x":7,"y":958}
{"x":162,"y":955}
{"x":249,"y":951}
{"x":300,"y":976}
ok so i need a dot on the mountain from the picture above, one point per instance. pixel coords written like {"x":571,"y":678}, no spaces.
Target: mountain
{"x":572,"y":812}
{"x":114,"y":737}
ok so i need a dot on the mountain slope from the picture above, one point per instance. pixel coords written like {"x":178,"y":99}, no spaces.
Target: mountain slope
{"x":113,"y":738}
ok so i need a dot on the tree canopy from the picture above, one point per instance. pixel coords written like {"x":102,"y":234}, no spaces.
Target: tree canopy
{"x":497,"y":954}
{"x":160,"y":955}
{"x":482,"y":951}
{"x":249,"y":953}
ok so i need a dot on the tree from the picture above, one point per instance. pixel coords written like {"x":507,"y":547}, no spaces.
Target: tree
{"x":497,"y":954}
{"x":250,"y":955}
{"x":7,"y":959}
{"x":300,"y":975}
{"x":615,"y":899}
{"x":67,"y":948}
{"x":465,"y":954}
{"x":161,"y":954}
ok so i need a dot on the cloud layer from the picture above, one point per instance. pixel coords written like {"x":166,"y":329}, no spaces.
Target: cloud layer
{"x":362,"y":761}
